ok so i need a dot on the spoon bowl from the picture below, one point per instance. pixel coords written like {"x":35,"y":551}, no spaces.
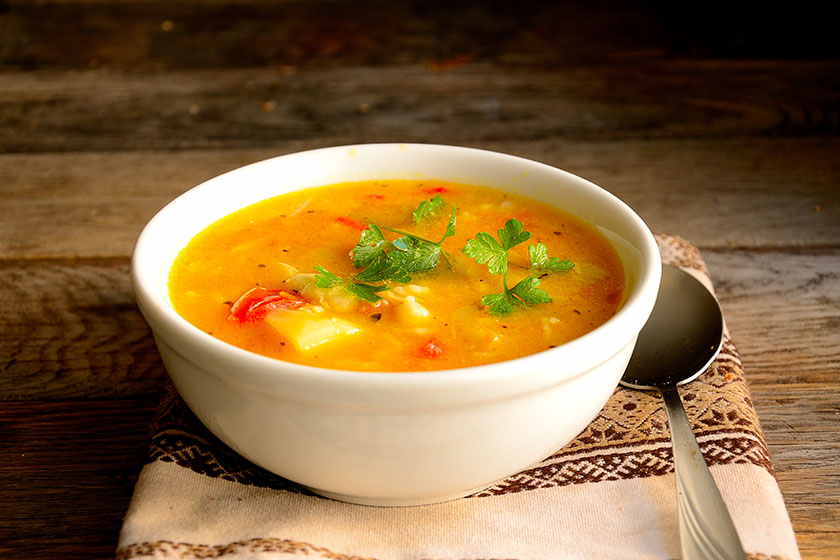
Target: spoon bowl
{"x":682,"y":336}
{"x":680,"y":340}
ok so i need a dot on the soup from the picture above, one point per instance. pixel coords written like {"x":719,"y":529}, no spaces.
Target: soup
{"x":397,"y":275}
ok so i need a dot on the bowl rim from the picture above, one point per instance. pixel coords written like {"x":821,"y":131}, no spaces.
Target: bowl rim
{"x":272,"y":374}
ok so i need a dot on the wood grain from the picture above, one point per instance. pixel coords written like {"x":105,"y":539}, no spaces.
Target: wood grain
{"x":67,"y":471}
{"x":95,"y":204}
{"x":73,"y":331}
{"x":50,"y":111}
{"x":159,"y":35}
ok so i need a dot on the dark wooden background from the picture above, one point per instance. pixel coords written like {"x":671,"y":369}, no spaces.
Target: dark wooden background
{"x":718,"y":123}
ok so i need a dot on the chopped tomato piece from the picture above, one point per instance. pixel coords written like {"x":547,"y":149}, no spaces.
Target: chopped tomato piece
{"x":376,"y":196}
{"x":255,"y":304}
{"x":436,"y":190}
{"x":344,"y":220}
{"x":431,"y":349}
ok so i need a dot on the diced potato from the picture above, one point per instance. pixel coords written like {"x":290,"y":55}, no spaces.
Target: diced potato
{"x":548,"y":324}
{"x":410,"y":311}
{"x":403,"y":291}
{"x":340,"y":299}
{"x":308,"y":328}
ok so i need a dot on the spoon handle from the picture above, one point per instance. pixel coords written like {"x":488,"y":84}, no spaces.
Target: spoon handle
{"x":706,"y":529}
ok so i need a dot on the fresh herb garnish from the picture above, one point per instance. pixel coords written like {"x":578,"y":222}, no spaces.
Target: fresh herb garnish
{"x":385,"y":261}
{"x":370,"y":249}
{"x":524,"y":292}
{"x":427,"y":208}
{"x":412,"y":254}
{"x":485,"y":249}
{"x":326,"y":279}
{"x":539,"y":259}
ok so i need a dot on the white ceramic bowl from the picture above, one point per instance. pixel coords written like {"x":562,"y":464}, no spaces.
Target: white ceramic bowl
{"x":383,"y":439}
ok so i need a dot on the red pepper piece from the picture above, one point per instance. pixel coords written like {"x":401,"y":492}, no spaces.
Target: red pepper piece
{"x":431,"y":349}
{"x":255,"y":304}
{"x":344,"y":220}
{"x":436,"y":190}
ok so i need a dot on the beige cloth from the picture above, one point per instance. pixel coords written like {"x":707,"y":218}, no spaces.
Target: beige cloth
{"x":609,"y":494}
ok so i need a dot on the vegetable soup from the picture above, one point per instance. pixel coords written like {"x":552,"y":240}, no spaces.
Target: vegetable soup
{"x":397,"y":275}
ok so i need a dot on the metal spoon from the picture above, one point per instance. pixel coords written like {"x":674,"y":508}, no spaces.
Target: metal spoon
{"x":680,"y":340}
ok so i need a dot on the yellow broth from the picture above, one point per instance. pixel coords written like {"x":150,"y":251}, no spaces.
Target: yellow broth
{"x":436,"y":321}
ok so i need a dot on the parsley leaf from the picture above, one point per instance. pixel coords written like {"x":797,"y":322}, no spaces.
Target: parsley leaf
{"x":371,"y":247}
{"x":326,"y":279}
{"x":485,"y":249}
{"x":497,"y":304}
{"x":413,"y":254}
{"x":366,"y":292}
{"x":382,"y":271}
{"x":512,"y":234}
{"x":539,"y":259}
{"x":526,"y":290}
{"x":385,"y":261}
{"x":427,"y":208}
{"x":450,"y":226}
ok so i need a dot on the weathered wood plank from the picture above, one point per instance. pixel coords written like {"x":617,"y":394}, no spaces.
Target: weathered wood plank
{"x":813,"y":503}
{"x":211,"y":33}
{"x":73,"y":331}
{"x":477,"y":102}
{"x":91,"y":204}
{"x":740,"y":192}
{"x":67,"y":472}
{"x":783,"y":308}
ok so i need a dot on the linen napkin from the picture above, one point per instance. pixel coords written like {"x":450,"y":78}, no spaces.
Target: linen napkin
{"x":608,"y":494}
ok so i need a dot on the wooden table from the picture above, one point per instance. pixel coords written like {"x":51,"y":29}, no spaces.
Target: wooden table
{"x":720,"y":126}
